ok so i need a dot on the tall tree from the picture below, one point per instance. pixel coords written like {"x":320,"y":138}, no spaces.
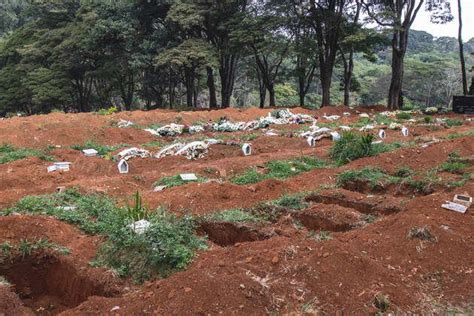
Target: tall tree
{"x":399,"y":16}
{"x":461,"y":51}
{"x":327,"y":19}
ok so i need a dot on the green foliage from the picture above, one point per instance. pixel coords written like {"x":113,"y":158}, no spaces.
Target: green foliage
{"x":428,"y":119}
{"x":8,"y":153}
{"x":351,"y":146}
{"x":374,"y":176}
{"x":168,"y":245}
{"x":103,"y":150}
{"x":453,"y":122}
{"x":109,"y":111}
{"x":26,"y":247}
{"x":404,"y":116}
{"x":176,"y":181}
{"x":453,"y":167}
{"x":233,"y":216}
{"x":280,"y":169}
{"x":294,"y":202}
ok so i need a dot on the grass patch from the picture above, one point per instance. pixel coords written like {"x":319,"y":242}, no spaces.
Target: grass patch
{"x":9,"y":153}
{"x":453,"y":122}
{"x":26,"y":248}
{"x":294,"y":202}
{"x":280,"y":169}
{"x":248,"y":137}
{"x":233,"y":216}
{"x":376,"y":177}
{"x":103,"y":150}
{"x":404,"y":116}
{"x":454,"y":167}
{"x":168,"y":245}
{"x":351,"y":146}
{"x":176,"y":181}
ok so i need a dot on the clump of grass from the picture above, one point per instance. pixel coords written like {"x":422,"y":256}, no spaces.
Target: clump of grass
{"x":428,"y":119}
{"x":404,"y":116}
{"x":294,"y":202}
{"x":376,"y":177}
{"x":404,"y":172}
{"x":26,"y":248}
{"x":9,"y":153}
{"x":454,"y":167}
{"x":424,"y":185}
{"x":103,"y":150}
{"x":453,"y":122}
{"x":176,"y":181}
{"x":233,"y":216}
{"x":351,"y":146}
{"x":280,"y":169}
{"x":248,"y":137}
{"x":168,"y":245}
{"x":422,"y":233}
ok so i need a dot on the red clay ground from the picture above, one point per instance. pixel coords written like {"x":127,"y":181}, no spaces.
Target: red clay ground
{"x":281,"y":268}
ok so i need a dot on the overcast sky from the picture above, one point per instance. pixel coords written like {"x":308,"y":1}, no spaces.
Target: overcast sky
{"x":423,"y":23}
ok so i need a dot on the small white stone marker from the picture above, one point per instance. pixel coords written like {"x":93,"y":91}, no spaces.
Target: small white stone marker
{"x":311,"y":141}
{"x":122,"y":166}
{"x":59,"y":166}
{"x":159,"y":188}
{"x":335,"y":136}
{"x":463,"y":199}
{"x":455,"y":207}
{"x":188,"y":177}
{"x":382,"y":134}
{"x":405,"y":131}
{"x":247,"y":149}
{"x":140,"y":227}
{"x":90,"y":152}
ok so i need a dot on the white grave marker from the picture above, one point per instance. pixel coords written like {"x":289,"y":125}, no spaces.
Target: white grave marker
{"x":382,"y":134}
{"x":335,"y":136}
{"x":311,"y":141}
{"x":405,"y":131}
{"x":123,"y":166}
{"x":188,"y":177}
{"x":90,"y":152}
{"x":247,"y":149}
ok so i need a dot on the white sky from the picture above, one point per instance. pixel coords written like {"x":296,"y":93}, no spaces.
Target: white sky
{"x":423,"y":23}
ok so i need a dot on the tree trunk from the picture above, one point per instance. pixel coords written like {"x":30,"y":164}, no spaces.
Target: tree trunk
{"x":301,"y":71}
{"x":399,"y":46}
{"x":461,"y":52}
{"x":326,"y":74}
{"x":348,"y":73}
{"x":212,"y":88}
{"x":227,"y":73}
{"x":271,"y":91}
{"x":189,"y":87}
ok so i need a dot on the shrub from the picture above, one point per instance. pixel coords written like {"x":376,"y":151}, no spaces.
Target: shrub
{"x":109,"y":111}
{"x":169,"y":243}
{"x":9,"y":153}
{"x":453,"y":122}
{"x":453,"y":167}
{"x":280,"y":169}
{"x":374,"y":176}
{"x":233,"y":216}
{"x":350,"y":147}
{"x":404,"y":116}
{"x":422,"y":233}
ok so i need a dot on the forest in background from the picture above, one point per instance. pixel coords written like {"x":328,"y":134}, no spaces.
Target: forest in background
{"x":79,"y":55}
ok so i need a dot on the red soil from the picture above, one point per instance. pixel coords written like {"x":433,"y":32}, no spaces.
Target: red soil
{"x":249,"y":269}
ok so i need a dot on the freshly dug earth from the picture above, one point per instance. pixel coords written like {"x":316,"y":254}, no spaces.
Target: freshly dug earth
{"x":345,"y":251}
